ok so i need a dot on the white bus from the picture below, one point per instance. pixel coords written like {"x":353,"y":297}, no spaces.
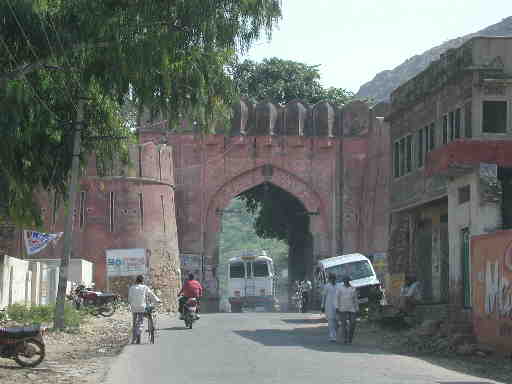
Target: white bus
{"x":251,"y":281}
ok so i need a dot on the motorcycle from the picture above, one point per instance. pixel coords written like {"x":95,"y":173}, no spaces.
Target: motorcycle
{"x":298,"y":297}
{"x":100,"y":303}
{"x":190,"y":310}
{"x":23,"y":344}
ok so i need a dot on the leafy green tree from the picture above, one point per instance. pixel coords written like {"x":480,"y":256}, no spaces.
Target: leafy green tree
{"x":239,"y":232}
{"x":167,"y":55}
{"x":282,"y":81}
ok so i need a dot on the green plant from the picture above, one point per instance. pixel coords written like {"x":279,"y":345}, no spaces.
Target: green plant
{"x":43,"y":314}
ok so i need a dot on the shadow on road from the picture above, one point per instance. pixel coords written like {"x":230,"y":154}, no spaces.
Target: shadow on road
{"x":305,"y":321}
{"x":174,"y":329}
{"x":314,"y":338}
{"x":464,"y":382}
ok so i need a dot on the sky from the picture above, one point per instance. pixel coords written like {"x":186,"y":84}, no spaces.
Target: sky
{"x":353,"y":40}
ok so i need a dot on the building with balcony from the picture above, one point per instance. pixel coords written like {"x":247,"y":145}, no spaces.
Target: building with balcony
{"x":451,"y":131}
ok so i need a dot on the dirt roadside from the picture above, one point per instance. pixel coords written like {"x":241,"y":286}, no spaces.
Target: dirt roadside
{"x":406,"y":342}
{"x":78,"y":358}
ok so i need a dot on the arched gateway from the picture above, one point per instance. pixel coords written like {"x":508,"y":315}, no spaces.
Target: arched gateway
{"x":298,"y":149}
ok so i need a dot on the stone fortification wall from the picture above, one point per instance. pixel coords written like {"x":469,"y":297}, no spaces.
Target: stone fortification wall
{"x":133,"y":206}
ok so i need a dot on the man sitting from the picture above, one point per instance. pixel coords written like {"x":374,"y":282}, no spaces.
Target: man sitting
{"x":191,"y":288}
{"x":410,"y":294}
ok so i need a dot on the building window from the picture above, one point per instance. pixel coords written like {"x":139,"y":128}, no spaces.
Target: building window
{"x":445,"y":129}
{"x":451,"y":125}
{"x":468,"y":116}
{"x":420,"y":151}
{"x":112,"y":204}
{"x":464,"y":194}
{"x":494,"y":117}
{"x":457,"y":123}
{"x":82,"y":208}
{"x":408,"y":159}
{"x":55,"y":208}
{"x":141,"y":211}
{"x":163,"y":212}
{"x":403,"y":156}
{"x":396,"y":158}
{"x":432,"y":137}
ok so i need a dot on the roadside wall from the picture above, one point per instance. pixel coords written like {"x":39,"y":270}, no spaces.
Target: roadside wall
{"x":491,"y":261}
{"x":35,"y":282}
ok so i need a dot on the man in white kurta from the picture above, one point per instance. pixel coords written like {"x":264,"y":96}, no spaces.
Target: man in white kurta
{"x":329,"y":306}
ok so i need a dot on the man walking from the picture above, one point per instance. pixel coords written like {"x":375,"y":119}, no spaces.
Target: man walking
{"x":347,"y":305}
{"x":138,"y":296}
{"x":329,"y":306}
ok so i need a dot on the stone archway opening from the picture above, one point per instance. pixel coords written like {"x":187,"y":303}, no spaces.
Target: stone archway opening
{"x":280,"y":224}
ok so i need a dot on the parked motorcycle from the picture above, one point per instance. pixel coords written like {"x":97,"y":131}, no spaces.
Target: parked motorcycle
{"x":100,"y":303}
{"x":190,"y":310}
{"x":23,"y":344}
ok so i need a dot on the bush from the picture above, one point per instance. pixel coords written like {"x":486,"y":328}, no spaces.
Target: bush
{"x":3,"y":316}
{"x":43,"y":314}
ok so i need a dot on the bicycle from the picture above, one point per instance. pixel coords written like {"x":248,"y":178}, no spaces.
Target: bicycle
{"x":151,"y":314}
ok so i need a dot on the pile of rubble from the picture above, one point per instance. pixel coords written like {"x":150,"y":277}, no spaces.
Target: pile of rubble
{"x":442,"y":337}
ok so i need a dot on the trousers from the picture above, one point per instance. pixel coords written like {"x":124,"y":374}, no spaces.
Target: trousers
{"x":137,"y":325}
{"x":348,"y":325}
{"x":332,"y":325}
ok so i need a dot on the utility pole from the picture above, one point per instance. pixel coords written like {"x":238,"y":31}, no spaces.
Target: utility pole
{"x":68,"y":229}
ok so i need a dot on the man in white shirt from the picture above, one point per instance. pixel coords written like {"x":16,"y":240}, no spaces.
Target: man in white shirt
{"x":347,"y":306}
{"x":138,"y":296}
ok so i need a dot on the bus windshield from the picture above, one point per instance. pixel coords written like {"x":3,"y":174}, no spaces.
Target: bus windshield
{"x":356,"y":270}
{"x":236,"y":270}
{"x":261,"y":269}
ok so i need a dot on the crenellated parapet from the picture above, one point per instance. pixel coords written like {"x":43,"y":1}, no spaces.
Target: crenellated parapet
{"x":298,"y":118}
{"x":145,"y":161}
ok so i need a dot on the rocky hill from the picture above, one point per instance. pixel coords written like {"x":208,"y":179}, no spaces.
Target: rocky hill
{"x":385,"y":82}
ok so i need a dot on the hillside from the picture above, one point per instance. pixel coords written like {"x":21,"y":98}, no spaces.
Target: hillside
{"x":380,"y":88}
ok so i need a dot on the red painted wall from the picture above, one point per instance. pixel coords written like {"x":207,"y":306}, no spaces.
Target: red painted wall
{"x":491,"y":274}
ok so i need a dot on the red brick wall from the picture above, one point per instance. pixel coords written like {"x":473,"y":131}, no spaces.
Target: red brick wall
{"x":153,"y":228}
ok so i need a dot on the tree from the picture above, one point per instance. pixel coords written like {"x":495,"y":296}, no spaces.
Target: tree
{"x":282,"y":81}
{"x":169,"y":56}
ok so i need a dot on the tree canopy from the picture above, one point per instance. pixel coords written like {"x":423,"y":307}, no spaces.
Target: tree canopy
{"x":282,"y":81}
{"x":170,"y":56}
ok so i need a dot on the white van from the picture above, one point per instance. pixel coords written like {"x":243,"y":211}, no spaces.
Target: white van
{"x":355,"y":265}
{"x":251,"y":281}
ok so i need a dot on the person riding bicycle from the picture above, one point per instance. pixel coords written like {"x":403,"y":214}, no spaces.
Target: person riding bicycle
{"x":191,"y":289}
{"x":138,"y":296}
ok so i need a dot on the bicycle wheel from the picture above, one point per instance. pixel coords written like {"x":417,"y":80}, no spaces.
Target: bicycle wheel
{"x":151,"y":330}
{"x":153,"y":333}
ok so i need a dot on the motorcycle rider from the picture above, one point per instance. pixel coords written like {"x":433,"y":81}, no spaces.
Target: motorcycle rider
{"x":138,"y":296}
{"x":191,"y":289}
{"x":307,"y":287}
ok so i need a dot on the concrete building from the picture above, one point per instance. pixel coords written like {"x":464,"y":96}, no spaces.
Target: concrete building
{"x":450,"y":131}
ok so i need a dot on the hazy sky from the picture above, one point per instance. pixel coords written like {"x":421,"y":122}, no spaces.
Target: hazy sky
{"x":353,"y":40}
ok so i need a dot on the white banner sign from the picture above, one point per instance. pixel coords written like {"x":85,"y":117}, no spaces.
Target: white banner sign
{"x":126,"y":262}
{"x":37,"y":241}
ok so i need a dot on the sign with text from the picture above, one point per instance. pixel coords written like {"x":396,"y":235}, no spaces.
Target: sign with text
{"x":126,"y":262}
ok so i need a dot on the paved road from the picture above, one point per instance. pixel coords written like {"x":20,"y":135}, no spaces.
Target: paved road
{"x":267,"y":348}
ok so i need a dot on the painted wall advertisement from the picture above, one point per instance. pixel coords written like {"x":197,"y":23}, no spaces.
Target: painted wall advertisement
{"x":491,"y":262}
{"x":126,"y":262}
